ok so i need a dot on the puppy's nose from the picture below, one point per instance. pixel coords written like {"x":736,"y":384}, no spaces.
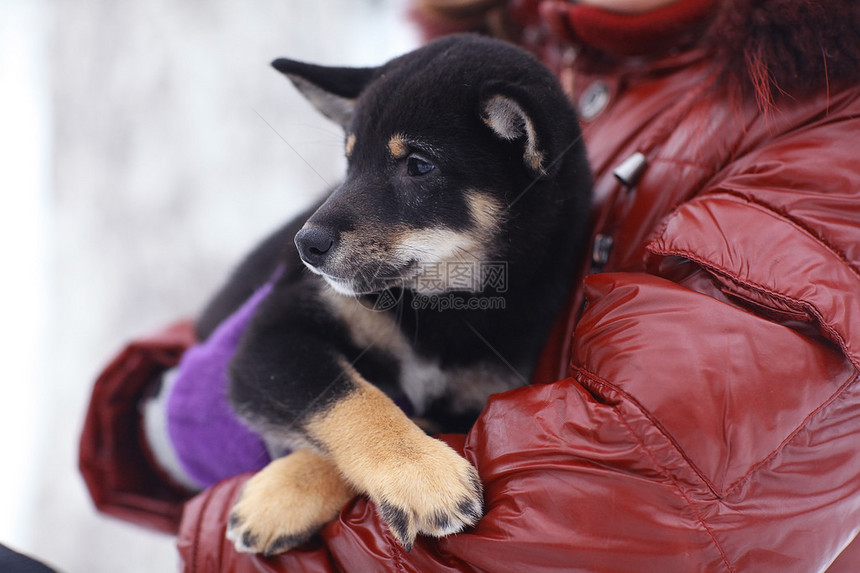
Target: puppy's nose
{"x":314,"y":245}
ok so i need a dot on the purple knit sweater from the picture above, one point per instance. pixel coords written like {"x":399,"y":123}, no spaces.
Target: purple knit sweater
{"x":208,"y":438}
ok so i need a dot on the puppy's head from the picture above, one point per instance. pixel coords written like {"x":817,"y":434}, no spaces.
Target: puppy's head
{"x":450,"y":148}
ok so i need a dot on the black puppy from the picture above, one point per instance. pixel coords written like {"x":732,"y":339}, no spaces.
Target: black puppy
{"x":436,"y":270}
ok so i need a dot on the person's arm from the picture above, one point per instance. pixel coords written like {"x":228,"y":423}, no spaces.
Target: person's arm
{"x":689,"y":439}
{"x":118,"y":468}
{"x":711,"y":418}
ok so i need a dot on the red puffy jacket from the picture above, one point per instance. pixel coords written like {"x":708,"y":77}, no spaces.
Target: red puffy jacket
{"x":705,"y":413}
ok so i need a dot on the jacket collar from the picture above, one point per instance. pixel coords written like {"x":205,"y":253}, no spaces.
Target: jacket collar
{"x":766,"y":49}
{"x":650,"y":33}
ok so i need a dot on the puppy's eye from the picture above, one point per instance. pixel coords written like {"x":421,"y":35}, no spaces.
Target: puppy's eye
{"x":416,"y":167}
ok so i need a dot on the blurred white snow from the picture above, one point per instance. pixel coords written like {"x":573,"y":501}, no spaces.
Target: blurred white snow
{"x":140,"y":156}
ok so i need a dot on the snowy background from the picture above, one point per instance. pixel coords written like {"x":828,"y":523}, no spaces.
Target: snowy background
{"x":141,"y":154}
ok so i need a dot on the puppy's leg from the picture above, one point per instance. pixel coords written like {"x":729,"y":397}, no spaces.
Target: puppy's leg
{"x":418,"y":483}
{"x":284,"y":371}
{"x":290,"y":379}
{"x":287,"y":502}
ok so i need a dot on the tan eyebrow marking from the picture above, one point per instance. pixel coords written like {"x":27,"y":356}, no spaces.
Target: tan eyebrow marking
{"x":397,"y":146}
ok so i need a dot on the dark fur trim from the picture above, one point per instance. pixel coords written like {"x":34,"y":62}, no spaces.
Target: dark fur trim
{"x":768,"y":49}
{"x":776,"y":48}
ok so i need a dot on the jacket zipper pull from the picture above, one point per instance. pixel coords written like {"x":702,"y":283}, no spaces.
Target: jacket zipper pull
{"x":629,"y":171}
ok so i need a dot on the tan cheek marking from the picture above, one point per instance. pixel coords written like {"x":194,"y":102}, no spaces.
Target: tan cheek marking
{"x":350,"y":144}
{"x":486,"y":212}
{"x":397,"y":146}
{"x":436,"y":245}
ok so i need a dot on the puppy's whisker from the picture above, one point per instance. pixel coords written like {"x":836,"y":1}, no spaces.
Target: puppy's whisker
{"x":536,"y":180}
{"x":469,"y":253}
{"x":291,"y":147}
{"x":327,"y":143}
{"x":336,"y":135}
{"x":496,"y":352}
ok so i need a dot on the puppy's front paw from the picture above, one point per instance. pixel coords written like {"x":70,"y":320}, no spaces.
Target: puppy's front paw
{"x":285,"y":503}
{"x":418,"y":483}
{"x":427,"y":489}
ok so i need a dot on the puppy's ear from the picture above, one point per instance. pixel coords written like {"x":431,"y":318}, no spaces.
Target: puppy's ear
{"x":510,"y":112}
{"x":332,"y":91}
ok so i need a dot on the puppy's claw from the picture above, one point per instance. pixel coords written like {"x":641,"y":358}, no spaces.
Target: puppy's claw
{"x":436,"y":499}
{"x":245,"y":540}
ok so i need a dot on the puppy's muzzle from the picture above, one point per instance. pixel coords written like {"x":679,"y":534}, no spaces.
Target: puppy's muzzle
{"x":315,"y":245}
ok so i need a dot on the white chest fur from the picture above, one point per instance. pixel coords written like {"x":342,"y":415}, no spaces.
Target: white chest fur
{"x":421,"y":379}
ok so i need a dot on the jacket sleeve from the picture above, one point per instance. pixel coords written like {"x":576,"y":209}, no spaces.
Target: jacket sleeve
{"x":705,"y":447}
{"x":564,"y":488}
{"x":113,"y":458}
{"x":709,"y":421}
